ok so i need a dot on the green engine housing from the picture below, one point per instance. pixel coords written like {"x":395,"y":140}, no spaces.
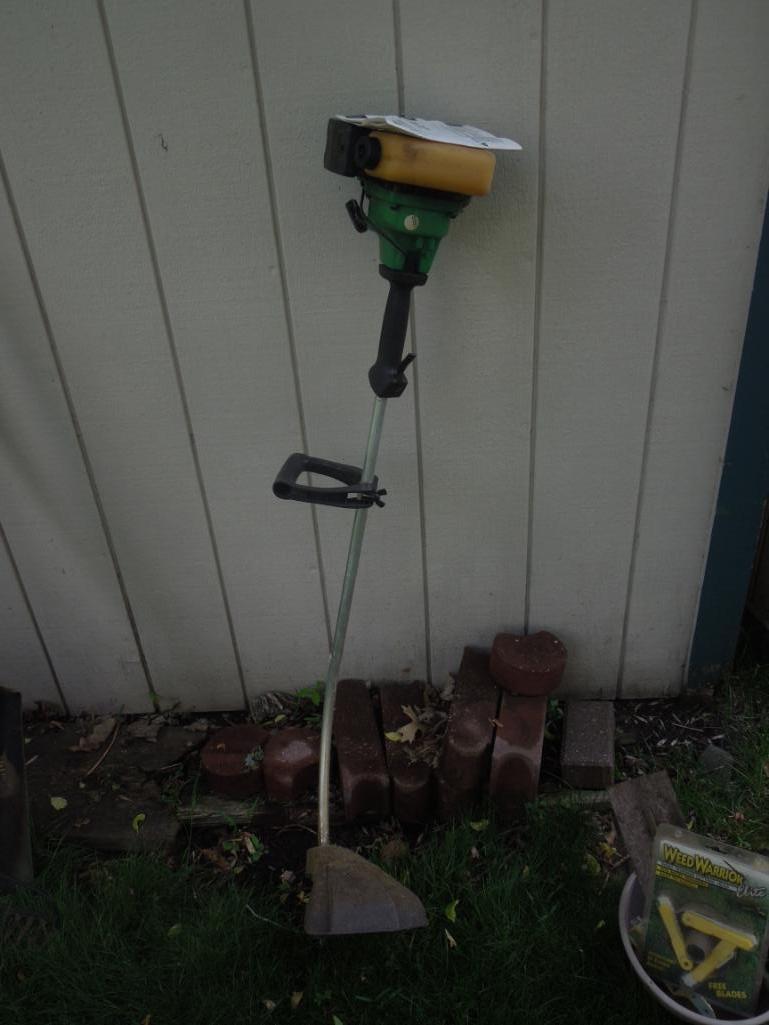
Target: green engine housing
{"x":410,"y":222}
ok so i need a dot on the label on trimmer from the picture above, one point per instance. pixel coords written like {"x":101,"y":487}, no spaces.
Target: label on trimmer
{"x":433,"y":131}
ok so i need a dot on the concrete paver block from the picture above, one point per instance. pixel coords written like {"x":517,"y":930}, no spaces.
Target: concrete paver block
{"x":587,"y":754}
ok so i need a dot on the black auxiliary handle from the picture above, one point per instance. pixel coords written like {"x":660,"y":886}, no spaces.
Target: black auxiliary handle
{"x":354,"y":495}
{"x":388,"y":381}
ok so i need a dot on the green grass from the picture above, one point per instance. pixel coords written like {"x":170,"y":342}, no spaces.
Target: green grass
{"x":738,"y":810}
{"x":535,"y":930}
{"x":536,"y":941}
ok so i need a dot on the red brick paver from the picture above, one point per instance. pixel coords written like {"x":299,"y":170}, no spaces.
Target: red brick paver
{"x":411,"y":781}
{"x":232,"y":760}
{"x":531,"y":664}
{"x":465,"y":754}
{"x":291,"y":762}
{"x":517,"y":753}
{"x":362,"y":769}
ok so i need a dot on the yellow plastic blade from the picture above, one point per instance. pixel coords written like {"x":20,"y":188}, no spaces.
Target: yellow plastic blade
{"x":673,"y":929}
{"x":723,"y":951}
{"x":712,"y":927}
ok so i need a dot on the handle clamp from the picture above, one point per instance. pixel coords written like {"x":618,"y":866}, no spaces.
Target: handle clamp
{"x":355,"y":494}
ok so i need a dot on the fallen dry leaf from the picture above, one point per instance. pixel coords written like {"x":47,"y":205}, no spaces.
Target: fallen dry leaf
{"x":607,"y":850}
{"x":296,"y":999}
{"x":450,"y":939}
{"x":59,"y":803}
{"x":146,"y":727}
{"x":407,"y":734}
{"x":199,"y":726}
{"x":270,"y":1005}
{"x":591,"y":864}
{"x":216,"y":858}
{"x":99,"y":733}
{"x":394,"y":850}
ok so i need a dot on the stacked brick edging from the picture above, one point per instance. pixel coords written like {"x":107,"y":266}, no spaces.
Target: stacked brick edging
{"x":494,"y":738}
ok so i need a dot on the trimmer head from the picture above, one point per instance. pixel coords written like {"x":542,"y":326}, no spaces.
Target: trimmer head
{"x":351,"y":896}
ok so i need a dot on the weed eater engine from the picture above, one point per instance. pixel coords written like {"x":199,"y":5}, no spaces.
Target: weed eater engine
{"x":416,"y":176}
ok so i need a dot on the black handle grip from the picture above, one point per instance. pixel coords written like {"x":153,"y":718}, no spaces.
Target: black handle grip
{"x":386,"y":376}
{"x":352,"y":495}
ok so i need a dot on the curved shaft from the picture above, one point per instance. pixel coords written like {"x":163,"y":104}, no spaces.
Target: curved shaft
{"x":342,"y":619}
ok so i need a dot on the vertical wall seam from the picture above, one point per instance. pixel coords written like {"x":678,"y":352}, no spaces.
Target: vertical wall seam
{"x":401,"y":92}
{"x":287,"y":312}
{"x":30,"y":610}
{"x":75,"y":421}
{"x":162,"y":298}
{"x":398,"y":46}
{"x":537,"y":314}
{"x":664,"y":286}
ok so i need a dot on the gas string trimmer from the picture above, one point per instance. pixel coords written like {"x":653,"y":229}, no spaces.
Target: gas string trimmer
{"x":415,"y":177}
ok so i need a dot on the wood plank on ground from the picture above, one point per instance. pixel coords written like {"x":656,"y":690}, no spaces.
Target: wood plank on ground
{"x":15,"y":841}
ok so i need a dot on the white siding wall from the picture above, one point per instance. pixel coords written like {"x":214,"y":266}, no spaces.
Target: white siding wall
{"x":183,"y":303}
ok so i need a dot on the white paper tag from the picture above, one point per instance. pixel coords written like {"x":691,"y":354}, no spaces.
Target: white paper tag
{"x":434,"y":131}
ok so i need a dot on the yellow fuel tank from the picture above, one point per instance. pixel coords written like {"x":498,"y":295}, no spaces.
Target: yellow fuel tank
{"x":433,"y":165}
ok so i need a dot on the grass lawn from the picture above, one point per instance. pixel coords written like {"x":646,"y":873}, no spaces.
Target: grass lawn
{"x":531,"y":939}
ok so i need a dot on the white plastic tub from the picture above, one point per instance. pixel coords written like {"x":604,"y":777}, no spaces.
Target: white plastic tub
{"x":631,"y":906}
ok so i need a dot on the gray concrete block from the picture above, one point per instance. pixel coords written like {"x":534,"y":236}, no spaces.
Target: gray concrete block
{"x":587,"y":754}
